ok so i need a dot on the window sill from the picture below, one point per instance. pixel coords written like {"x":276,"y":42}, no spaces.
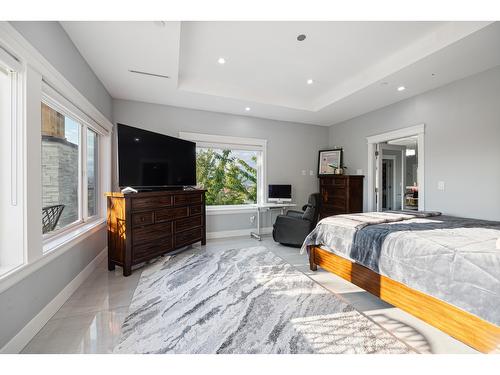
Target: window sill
{"x":71,"y":236}
{"x":52,"y":248}
{"x":230,"y":210}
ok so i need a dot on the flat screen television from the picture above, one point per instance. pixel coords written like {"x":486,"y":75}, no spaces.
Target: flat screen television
{"x":148,"y":160}
{"x":280,"y":193}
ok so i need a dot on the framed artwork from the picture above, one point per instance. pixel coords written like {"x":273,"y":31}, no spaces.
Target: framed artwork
{"x":328,"y":161}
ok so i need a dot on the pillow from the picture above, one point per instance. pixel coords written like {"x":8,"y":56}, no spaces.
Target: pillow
{"x":308,"y":213}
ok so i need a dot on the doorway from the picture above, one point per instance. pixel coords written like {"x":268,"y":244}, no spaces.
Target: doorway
{"x":388,"y":183}
{"x":396,"y":170}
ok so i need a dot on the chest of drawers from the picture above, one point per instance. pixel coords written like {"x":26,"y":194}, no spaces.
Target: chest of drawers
{"x":144,"y":225}
{"x":340,"y":194}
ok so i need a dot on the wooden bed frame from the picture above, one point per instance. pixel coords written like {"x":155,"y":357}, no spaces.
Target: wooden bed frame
{"x":473,"y":331}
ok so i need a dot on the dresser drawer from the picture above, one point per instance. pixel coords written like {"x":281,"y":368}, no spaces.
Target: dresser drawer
{"x":183,"y":199}
{"x":195,"y":210}
{"x":337,"y":201}
{"x":188,"y":237}
{"x":151,"y":202}
{"x":190,"y":222}
{"x":151,"y":232}
{"x":148,"y":250}
{"x":339,"y":182}
{"x":168,"y":214}
{"x":331,"y":211}
{"x":142,"y":218}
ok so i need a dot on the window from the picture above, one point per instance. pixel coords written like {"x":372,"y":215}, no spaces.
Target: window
{"x":229,"y":175}
{"x":231,"y":169}
{"x":41,"y":114}
{"x":11,"y":197}
{"x":69,"y":170}
{"x":92,"y":173}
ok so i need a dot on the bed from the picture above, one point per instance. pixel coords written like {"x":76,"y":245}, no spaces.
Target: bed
{"x":444,"y":270}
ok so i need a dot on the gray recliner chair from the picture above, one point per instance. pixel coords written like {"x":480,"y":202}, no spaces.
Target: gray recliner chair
{"x":292,"y":229}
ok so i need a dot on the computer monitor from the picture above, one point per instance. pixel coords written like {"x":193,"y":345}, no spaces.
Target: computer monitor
{"x":280,"y":193}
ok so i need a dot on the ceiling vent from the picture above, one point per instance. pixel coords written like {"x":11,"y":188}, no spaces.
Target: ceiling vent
{"x":149,"y":74}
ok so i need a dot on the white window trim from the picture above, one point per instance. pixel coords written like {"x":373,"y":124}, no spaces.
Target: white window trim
{"x":16,"y":197}
{"x":230,"y":209}
{"x":33,"y":69}
{"x":59,"y":103}
{"x":241,"y":143}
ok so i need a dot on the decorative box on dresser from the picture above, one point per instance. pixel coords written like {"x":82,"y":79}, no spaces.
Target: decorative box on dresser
{"x":340,"y":194}
{"x":144,"y":225}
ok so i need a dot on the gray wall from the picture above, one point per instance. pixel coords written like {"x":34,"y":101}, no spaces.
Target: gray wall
{"x":23,"y":301}
{"x":461,"y":142}
{"x":291,"y":147}
{"x":50,"y":39}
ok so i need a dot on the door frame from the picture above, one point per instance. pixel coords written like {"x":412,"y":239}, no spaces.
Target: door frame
{"x":372,"y":141}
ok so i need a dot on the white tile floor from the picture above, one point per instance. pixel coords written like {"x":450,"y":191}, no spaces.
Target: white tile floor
{"x":90,"y":321}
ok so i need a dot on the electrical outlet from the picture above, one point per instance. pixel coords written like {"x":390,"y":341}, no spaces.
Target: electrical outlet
{"x":359,"y":172}
{"x":311,"y":173}
{"x":441,"y":185}
{"x":252,"y":219}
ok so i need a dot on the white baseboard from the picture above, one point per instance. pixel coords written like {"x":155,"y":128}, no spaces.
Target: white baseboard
{"x":237,"y":233}
{"x":24,"y":336}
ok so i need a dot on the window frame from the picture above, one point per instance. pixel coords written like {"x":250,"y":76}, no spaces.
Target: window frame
{"x":96,"y":174}
{"x":34,"y":70}
{"x":235,"y":143}
{"x":16,"y":206}
{"x":59,"y":103}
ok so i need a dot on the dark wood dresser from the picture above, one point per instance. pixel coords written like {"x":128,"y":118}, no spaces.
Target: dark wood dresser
{"x":144,"y":225}
{"x":340,"y":194}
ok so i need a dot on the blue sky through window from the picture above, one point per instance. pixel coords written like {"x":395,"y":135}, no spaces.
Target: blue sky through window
{"x":72,"y":130}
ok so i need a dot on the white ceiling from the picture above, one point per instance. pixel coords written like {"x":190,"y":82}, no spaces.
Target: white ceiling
{"x":356,"y":66}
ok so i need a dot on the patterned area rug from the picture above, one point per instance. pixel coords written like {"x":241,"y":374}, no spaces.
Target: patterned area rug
{"x":243,"y":301}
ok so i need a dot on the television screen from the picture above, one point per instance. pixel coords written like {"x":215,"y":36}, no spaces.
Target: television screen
{"x":152,"y":160}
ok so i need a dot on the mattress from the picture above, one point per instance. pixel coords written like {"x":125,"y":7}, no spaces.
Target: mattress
{"x":456,"y":260}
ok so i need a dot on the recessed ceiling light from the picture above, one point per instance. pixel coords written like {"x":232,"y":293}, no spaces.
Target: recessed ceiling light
{"x":401,"y":88}
{"x":301,"y":37}
{"x":310,"y":81}
{"x":247,"y":109}
{"x":137,"y":139}
{"x":221,"y":60}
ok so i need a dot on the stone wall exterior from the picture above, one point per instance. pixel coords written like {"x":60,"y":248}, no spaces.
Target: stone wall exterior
{"x":60,"y":177}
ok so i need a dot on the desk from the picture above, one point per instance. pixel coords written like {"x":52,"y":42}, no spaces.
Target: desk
{"x":267,"y":207}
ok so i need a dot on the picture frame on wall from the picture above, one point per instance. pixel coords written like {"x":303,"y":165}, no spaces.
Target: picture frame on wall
{"x":329,"y":161}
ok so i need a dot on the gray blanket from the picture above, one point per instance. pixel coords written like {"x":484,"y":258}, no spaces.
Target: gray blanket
{"x":454,"y":259}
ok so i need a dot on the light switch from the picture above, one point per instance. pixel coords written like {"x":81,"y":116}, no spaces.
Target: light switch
{"x":441,"y":185}
{"x":311,"y":173}
{"x":303,"y":172}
